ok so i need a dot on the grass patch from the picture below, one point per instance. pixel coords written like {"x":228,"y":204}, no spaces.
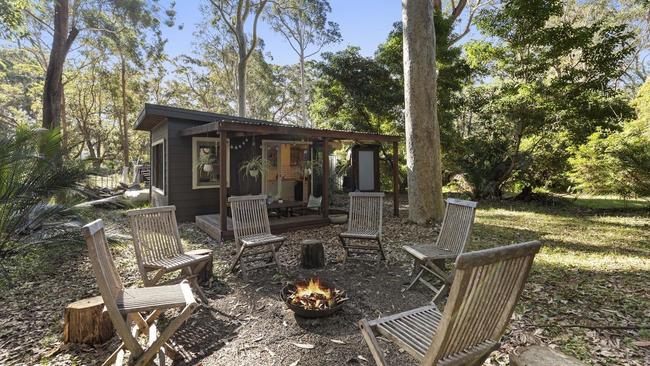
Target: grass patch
{"x":593,"y":269}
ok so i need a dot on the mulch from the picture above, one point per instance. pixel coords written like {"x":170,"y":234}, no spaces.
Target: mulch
{"x":246,"y":322}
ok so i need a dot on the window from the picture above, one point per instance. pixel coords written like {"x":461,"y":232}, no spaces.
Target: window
{"x":158,"y":166}
{"x":206,"y":168}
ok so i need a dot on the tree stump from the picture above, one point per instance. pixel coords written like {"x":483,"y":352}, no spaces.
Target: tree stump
{"x":313,"y":254}
{"x":85,"y":321}
{"x":542,"y":356}
{"x":205,"y":274}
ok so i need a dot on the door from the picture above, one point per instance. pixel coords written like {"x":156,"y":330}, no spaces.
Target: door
{"x":365,"y":168}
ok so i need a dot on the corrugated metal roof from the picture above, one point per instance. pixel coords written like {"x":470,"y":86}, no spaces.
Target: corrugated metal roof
{"x":152,"y":114}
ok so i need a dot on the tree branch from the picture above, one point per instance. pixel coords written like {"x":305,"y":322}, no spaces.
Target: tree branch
{"x":258,"y":12}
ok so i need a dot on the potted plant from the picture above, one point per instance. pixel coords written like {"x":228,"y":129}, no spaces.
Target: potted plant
{"x":254,"y":166}
{"x":206,"y":163}
{"x":309,"y":166}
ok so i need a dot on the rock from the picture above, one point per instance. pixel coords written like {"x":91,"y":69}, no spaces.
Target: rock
{"x":108,"y":202}
{"x":137,"y":195}
{"x":542,"y":356}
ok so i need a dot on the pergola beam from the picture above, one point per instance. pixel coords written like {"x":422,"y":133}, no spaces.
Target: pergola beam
{"x":326,"y":180}
{"x":223,"y":180}
{"x":285,"y":130}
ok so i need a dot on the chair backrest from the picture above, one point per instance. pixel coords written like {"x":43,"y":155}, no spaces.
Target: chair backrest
{"x":366,"y":211}
{"x":314,"y":202}
{"x":108,"y":280}
{"x":483,"y":295}
{"x":456,"y":229}
{"x":155,"y":234}
{"x":249,"y":216}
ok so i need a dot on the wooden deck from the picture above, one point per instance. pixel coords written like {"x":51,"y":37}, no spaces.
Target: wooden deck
{"x":210,"y":224}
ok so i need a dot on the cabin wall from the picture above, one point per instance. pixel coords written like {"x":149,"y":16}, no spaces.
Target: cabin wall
{"x":178,"y":149}
{"x":189,"y":202}
{"x":243,"y":149}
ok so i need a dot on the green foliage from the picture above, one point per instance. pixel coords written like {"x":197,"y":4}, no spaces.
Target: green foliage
{"x":11,"y":16}
{"x":355,"y":92}
{"x":303,"y":23}
{"x":545,"y":163}
{"x":545,"y":80}
{"x":619,"y":162}
{"x":30,"y":177}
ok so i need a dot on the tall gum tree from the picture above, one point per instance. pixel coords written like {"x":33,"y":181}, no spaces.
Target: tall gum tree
{"x":422,"y":130}
{"x":235,"y":14}
{"x":303,"y":23}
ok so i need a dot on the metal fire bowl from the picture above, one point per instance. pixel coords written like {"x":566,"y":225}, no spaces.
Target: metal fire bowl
{"x":302,"y":312}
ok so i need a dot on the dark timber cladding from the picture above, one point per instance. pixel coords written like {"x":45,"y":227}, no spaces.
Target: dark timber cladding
{"x":177,"y":127}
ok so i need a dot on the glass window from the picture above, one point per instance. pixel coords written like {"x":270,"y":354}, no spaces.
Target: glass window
{"x":206,"y":163}
{"x":158,"y":165}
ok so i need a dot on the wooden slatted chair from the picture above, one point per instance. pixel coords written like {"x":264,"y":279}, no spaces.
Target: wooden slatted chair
{"x":455,"y":235}
{"x":126,"y":307}
{"x":487,"y":285}
{"x":253,"y":238}
{"x":364,"y":223}
{"x":159,"y":249}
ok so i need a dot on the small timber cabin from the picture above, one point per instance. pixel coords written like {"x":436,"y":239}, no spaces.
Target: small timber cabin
{"x":191,"y":151}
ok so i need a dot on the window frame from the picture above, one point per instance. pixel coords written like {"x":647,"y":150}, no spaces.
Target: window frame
{"x":159,"y":190}
{"x":195,"y":177}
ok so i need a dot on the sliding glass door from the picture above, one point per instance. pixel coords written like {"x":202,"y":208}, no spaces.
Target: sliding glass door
{"x":289,"y":170}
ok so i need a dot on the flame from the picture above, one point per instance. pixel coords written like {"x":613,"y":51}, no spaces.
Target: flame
{"x":313,"y":295}
{"x":314,"y":287}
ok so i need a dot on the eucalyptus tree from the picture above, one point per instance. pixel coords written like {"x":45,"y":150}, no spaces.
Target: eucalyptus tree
{"x":423,"y":159}
{"x":304,"y":25}
{"x":64,"y":22}
{"x":234,"y":15}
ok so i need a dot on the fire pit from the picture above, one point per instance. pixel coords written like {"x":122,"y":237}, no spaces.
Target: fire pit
{"x":313,"y":298}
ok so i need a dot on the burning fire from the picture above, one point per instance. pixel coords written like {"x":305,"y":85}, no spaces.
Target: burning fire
{"x":313,"y":295}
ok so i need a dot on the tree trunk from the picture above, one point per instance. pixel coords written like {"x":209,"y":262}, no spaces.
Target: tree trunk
{"x":125,"y":123}
{"x":85,"y":321}
{"x":313,"y":254}
{"x":303,"y":92}
{"x":241,"y":88}
{"x":53,"y":87}
{"x":241,"y":70}
{"x":422,"y":130}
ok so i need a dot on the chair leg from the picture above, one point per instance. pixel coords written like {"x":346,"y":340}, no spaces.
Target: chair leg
{"x":344,"y":247}
{"x":171,"y":328}
{"x":369,"y":337}
{"x":414,"y":281}
{"x":444,"y":290}
{"x":275,"y":254}
{"x":237,"y":259}
{"x":199,"y":291}
{"x":381,"y":250}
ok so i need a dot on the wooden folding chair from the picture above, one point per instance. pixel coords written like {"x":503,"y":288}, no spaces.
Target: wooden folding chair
{"x":487,"y":285}
{"x":454,"y":236}
{"x":126,"y":306}
{"x":159,"y":249}
{"x":364,"y":223}
{"x":253,"y":238}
